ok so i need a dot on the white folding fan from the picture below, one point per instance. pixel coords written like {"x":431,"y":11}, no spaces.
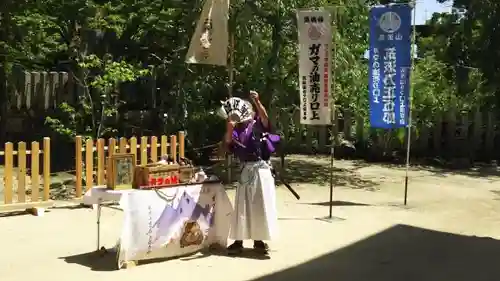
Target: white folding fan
{"x":236,"y":109}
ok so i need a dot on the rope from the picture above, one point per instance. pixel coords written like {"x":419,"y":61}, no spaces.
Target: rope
{"x":253,"y":171}
{"x":207,"y":146}
{"x":165,"y":197}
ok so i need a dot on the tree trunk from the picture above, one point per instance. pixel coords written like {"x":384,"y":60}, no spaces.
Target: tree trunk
{"x":4,"y":37}
{"x":273,"y":63}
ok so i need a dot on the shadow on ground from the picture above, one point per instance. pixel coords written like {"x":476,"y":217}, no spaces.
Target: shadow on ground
{"x":13,"y":214}
{"x":313,"y":172}
{"x":96,"y":261}
{"x":107,"y":261}
{"x":337,"y":203}
{"x":246,"y":254}
{"x":439,"y":168}
{"x":403,"y":252}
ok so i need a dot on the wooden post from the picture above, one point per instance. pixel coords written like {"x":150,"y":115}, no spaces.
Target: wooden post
{"x":182,"y":140}
{"x":100,"y":162}
{"x":144,"y":150}
{"x":78,"y":165}
{"x":111,"y":151}
{"x":133,"y":148}
{"x":21,"y":172}
{"x":123,"y":145}
{"x":111,"y":146}
{"x":173,"y":147}
{"x":163,"y":147}
{"x":46,"y":169}
{"x":154,"y":149}
{"x":35,"y":86}
{"x":54,"y":84}
{"x":89,"y":164}
{"x":9,"y":166}
{"x":35,"y":171}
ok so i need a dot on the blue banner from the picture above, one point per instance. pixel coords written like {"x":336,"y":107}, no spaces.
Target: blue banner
{"x":390,"y":64}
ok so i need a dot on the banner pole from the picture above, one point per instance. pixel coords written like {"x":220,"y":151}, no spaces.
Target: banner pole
{"x":332,"y":108}
{"x":333,"y":115}
{"x":231,"y":66}
{"x":408,"y":144}
{"x":230,"y":70}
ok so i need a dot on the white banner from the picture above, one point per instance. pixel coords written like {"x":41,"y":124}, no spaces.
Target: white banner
{"x":315,"y":47}
{"x":173,"y":221}
{"x":210,"y":40}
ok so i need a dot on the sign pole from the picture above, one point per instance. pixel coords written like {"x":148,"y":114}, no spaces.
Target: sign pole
{"x":410,"y":102}
{"x":230,"y":70}
{"x":229,"y":157}
{"x":333,"y":119}
{"x":231,"y":66}
{"x":390,"y":70}
{"x":332,"y":154}
{"x":330,"y":217}
{"x":317,"y":56}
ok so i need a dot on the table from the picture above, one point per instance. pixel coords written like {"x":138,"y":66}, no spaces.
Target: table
{"x":167,"y":222}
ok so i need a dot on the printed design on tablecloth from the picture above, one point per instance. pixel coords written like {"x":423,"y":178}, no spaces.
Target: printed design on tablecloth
{"x":187,"y":210}
{"x":191,"y":234}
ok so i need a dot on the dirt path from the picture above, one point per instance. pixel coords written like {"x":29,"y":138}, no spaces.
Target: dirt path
{"x":375,"y":239}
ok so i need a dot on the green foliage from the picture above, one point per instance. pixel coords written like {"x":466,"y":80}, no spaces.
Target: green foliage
{"x":457,"y":66}
{"x":105,"y":101}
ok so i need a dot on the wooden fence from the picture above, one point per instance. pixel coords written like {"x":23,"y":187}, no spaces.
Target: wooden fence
{"x":92,"y":170}
{"x":473,"y":135}
{"x":41,"y":90}
{"x":19,"y":180}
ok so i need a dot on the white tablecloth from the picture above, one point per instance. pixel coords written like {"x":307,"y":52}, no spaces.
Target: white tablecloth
{"x":169,"y":222}
{"x":100,"y":193}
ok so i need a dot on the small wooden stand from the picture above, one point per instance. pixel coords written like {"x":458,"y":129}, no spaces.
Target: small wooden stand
{"x":143,"y":173}
{"x":129,"y":264}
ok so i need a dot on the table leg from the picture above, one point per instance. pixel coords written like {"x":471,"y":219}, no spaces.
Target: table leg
{"x":99,"y":209}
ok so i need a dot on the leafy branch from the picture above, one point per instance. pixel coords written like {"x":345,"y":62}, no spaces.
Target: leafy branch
{"x":100,"y":97}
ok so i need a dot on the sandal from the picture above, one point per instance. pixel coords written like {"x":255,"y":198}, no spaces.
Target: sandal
{"x":261,"y":247}
{"x":235,"y":248}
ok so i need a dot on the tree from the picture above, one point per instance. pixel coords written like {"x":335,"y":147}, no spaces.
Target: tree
{"x":103,"y":43}
{"x":100,"y":100}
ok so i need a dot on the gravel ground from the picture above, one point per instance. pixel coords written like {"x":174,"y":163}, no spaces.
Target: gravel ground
{"x":448,"y":232}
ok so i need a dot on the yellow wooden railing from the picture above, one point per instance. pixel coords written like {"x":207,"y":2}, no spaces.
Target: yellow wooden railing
{"x":93,"y":168}
{"x":90,"y":166}
{"x":15,"y":179}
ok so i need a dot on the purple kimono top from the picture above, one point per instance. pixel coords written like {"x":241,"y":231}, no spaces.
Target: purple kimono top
{"x":247,"y":147}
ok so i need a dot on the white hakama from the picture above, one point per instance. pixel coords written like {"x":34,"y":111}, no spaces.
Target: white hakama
{"x":255,"y":215}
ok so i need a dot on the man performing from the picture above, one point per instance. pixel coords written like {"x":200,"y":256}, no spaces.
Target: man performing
{"x":255,"y":214}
